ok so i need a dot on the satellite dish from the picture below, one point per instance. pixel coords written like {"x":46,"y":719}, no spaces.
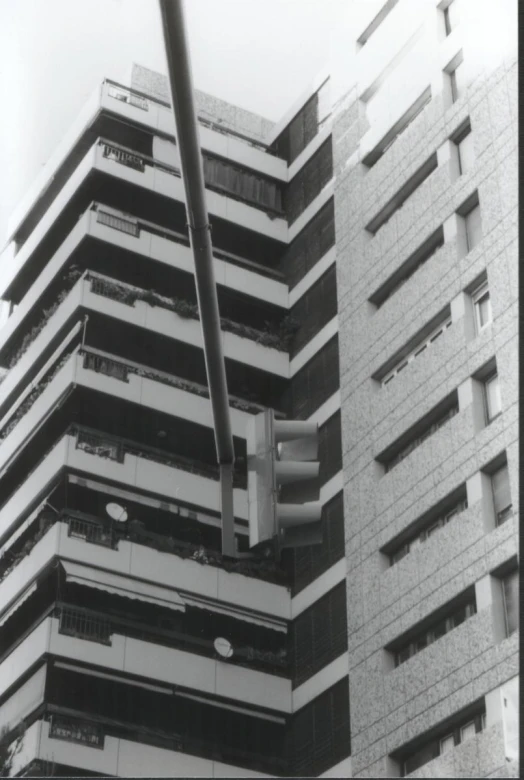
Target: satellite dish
{"x":116,"y":512}
{"x":223,"y":647}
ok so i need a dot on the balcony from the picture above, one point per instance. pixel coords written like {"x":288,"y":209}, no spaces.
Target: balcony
{"x":126,"y":306}
{"x":117,"y":244}
{"x":137,"y":470}
{"x":165,"y":665}
{"x":131,"y":382}
{"x":118,"y":756}
{"x":112,"y":100}
{"x":153,"y":190}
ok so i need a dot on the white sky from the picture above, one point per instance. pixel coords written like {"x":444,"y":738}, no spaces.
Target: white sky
{"x":258,"y":54}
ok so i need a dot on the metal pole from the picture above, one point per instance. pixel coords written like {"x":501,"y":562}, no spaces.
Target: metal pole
{"x":179,"y":71}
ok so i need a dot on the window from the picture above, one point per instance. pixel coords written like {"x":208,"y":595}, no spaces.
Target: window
{"x":420,"y":256}
{"x":456,"y":82}
{"x":482,"y":305}
{"x":473,"y":224}
{"x":314,"y":309}
{"x":501,"y":494}
{"x":398,"y":128}
{"x":298,"y":134}
{"x":447,"y":21}
{"x":309,"y":182}
{"x":319,"y":634}
{"x":398,"y":200}
{"x":492,"y":397}
{"x":311,"y":561}
{"x":319,"y":733}
{"x":447,"y":743}
{"x":458,"y":613}
{"x":421,"y":431}
{"x":466,"y":153}
{"x":377,"y":21}
{"x":421,"y":347}
{"x":467,"y":731}
{"x":465,"y":727}
{"x":312,"y":243}
{"x":510,"y":590}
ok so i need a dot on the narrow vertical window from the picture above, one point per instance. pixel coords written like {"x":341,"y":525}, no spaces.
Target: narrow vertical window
{"x":492,"y":397}
{"x":463,"y":140}
{"x":473,"y":227}
{"x":447,"y":21}
{"x":482,"y":305}
{"x":510,"y":589}
{"x":501,"y":494}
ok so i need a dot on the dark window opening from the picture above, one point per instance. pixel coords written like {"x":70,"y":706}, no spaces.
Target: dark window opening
{"x":315,"y":309}
{"x":299,"y":133}
{"x":317,"y":381}
{"x":308,"y":563}
{"x":319,"y":735}
{"x":309,"y":181}
{"x":311,"y":244}
{"x":418,"y":433}
{"x":319,"y":635}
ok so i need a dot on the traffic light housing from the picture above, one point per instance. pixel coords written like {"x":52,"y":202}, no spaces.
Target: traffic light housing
{"x":283,"y":489}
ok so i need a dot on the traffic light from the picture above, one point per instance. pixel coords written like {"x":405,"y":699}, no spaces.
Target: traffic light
{"x":282,"y":488}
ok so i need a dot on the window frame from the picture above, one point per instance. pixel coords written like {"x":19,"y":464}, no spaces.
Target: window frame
{"x":461,"y":151}
{"x":490,"y":414}
{"x":420,"y":347}
{"x":435,"y":631}
{"x":477,"y":296}
{"x":501,"y":514}
{"x":505,"y":580}
{"x":422,"y":535}
{"x":447,"y":21}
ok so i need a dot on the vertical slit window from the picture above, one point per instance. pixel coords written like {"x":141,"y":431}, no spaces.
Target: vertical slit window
{"x":501,"y":494}
{"x":510,"y":590}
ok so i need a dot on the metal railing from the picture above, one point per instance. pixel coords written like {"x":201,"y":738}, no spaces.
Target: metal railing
{"x":142,"y":100}
{"x":97,"y":444}
{"x":94,"y":533}
{"x":82,"y":625}
{"x":118,"y":223}
{"x":181,"y":238}
{"x":72,"y":730}
{"x":107,"y":366}
{"x":115,"y":448}
{"x":124,"y":157}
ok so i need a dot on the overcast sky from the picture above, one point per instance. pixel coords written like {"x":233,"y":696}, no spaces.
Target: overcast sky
{"x":259,"y":54}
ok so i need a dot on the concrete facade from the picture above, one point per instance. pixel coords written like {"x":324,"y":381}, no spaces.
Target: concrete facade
{"x":391,"y":706}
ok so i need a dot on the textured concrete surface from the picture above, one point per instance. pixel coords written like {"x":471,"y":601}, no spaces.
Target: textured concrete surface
{"x":390,"y":707}
{"x":208,"y":106}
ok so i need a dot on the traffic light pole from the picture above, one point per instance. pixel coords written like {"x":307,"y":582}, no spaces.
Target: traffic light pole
{"x":179,"y":71}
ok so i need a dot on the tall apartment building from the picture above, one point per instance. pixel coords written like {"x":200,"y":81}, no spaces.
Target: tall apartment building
{"x":365,"y":256}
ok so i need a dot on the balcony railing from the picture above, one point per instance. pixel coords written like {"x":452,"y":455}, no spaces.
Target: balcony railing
{"x":91,"y":532}
{"x":116,"y":448}
{"x":120,"y":369}
{"x":222,"y":176}
{"x":279,"y":339}
{"x":83,"y":625}
{"x":132,"y":225}
{"x":141,"y":100}
{"x":93,"y":626}
{"x":73,"y":730}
